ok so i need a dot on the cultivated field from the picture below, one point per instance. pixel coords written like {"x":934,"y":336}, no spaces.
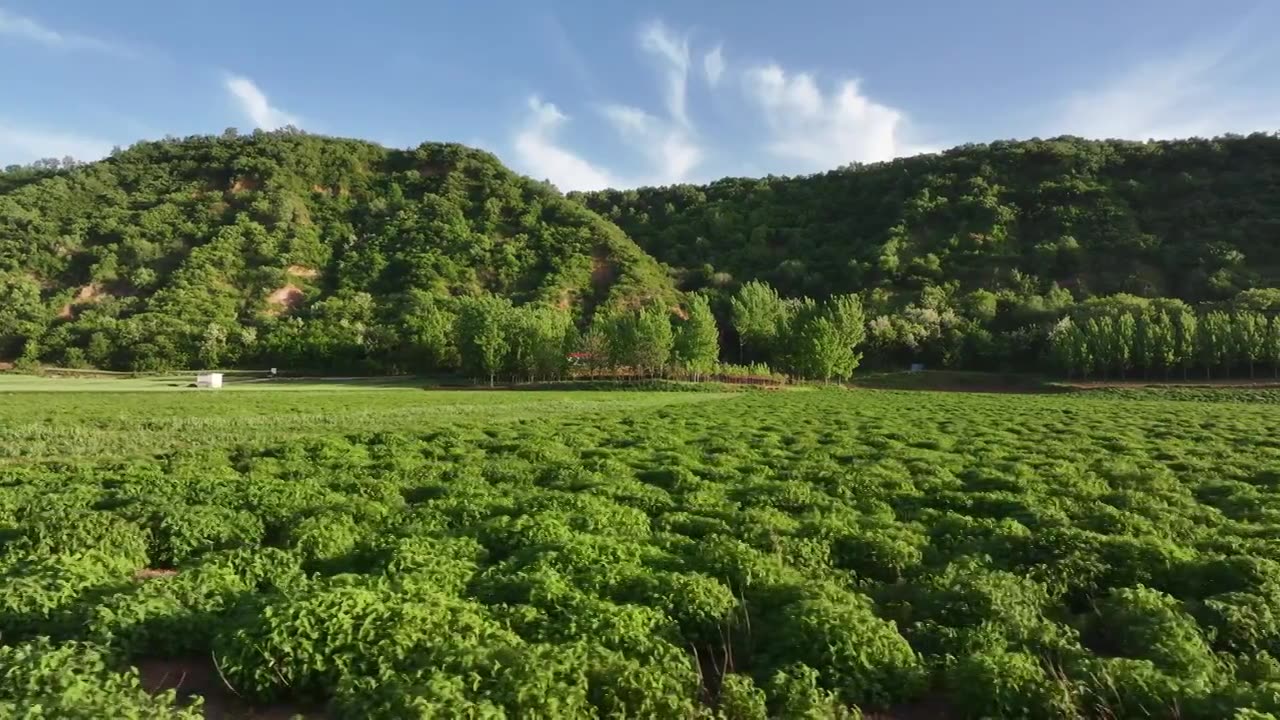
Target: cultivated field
{"x":393,"y":552}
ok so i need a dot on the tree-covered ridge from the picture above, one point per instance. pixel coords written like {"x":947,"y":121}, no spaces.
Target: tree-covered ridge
{"x":1191,"y":219}
{"x":287,"y":247}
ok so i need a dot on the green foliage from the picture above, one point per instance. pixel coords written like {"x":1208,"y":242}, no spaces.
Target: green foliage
{"x":740,"y":699}
{"x":482,"y":332}
{"x":697,"y":343}
{"x":811,"y":553}
{"x":289,"y":249}
{"x":1101,"y":217}
{"x":758,"y":314}
{"x":77,"y":681}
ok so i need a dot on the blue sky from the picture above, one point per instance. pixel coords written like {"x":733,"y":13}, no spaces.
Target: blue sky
{"x":604,"y":93}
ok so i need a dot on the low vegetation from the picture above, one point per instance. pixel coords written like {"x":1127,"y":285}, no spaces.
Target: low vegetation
{"x":749,"y":555}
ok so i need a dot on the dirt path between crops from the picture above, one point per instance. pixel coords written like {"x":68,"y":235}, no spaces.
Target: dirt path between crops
{"x":199,"y":677}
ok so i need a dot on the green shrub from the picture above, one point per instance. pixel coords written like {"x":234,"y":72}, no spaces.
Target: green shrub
{"x":796,"y":692}
{"x":76,"y":681}
{"x":184,"y":533}
{"x":306,"y":642}
{"x":1009,"y":685}
{"x":1148,"y":624}
{"x":740,"y":699}
{"x":167,"y":616}
{"x":860,"y":657}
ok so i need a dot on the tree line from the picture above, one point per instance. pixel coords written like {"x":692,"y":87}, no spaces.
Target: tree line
{"x":487,"y":337}
{"x":1160,"y":342}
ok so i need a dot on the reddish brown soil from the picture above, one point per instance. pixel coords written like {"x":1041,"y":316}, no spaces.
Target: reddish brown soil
{"x":286,"y":298}
{"x":191,"y":677}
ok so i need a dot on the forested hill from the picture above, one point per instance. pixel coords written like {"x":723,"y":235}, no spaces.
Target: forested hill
{"x":289,"y":248}
{"x":1196,"y":219}
{"x":312,"y":252}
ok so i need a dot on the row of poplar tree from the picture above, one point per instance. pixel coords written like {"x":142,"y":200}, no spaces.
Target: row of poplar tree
{"x":814,"y":340}
{"x":1156,"y":341}
{"x":824,"y":340}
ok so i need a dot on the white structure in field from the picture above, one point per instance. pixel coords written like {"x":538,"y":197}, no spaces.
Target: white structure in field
{"x":209,"y":380}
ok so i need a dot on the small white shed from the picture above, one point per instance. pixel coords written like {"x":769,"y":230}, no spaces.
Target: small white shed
{"x":209,"y":380}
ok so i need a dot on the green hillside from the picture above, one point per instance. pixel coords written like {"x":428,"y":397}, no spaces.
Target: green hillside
{"x":307,"y":252}
{"x":288,"y":248}
{"x":1194,"y":219}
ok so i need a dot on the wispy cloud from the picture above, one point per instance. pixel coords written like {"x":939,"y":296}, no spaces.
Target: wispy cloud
{"x":713,"y":65}
{"x":253,"y":103}
{"x":815,"y":130}
{"x":673,"y":52}
{"x":1188,"y":93}
{"x":671,"y":153}
{"x":539,"y":153}
{"x":565,"y":51}
{"x":21,"y":144}
{"x":807,"y":128}
{"x":32,"y":30}
{"x":666,"y":144}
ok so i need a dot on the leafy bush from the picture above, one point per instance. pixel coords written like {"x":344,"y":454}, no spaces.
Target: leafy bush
{"x":76,"y":681}
{"x":1147,"y":624}
{"x":860,"y":657}
{"x":182,"y":534}
{"x":348,"y":627}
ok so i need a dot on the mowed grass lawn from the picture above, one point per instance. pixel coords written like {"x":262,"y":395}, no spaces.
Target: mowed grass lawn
{"x":397,"y":552}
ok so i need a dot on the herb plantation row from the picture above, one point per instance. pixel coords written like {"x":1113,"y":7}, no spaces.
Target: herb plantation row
{"x":811,"y":554}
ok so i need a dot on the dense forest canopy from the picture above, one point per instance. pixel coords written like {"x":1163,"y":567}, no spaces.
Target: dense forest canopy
{"x":287,"y":247}
{"x":312,"y":252}
{"x":1194,"y":219}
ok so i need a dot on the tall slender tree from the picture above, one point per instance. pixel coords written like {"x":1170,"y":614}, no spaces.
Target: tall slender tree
{"x":654,"y":339}
{"x":1249,"y":337}
{"x":1121,"y":342}
{"x":697,"y":345}
{"x":1186,"y":337}
{"x":850,"y":323}
{"x":1063,"y":350}
{"x":1273,"y":345}
{"x":758,"y":314}
{"x":1161,"y":348}
{"x":482,"y":334}
{"x":1213,"y":338}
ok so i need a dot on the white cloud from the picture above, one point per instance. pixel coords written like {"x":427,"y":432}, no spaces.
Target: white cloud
{"x":253,"y":103}
{"x":32,"y":30}
{"x":816,"y":130}
{"x":20,"y":145}
{"x":667,"y":147}
{"x":1183,"y":95}
{"x":540,"y":155}
{"x":713,"y":65}
{"x":674,"y":53}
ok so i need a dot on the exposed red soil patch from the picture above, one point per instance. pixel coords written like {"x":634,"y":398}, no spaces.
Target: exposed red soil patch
{"x":302,"y":271}
{"x":245,"y":184}
{"x":192,"y":677}
{"x":153,"y":573}
{"x":286,"y":298}
{"x":602,"y":269}
{"x":88,"y":294}
{"x":5,"y":365}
